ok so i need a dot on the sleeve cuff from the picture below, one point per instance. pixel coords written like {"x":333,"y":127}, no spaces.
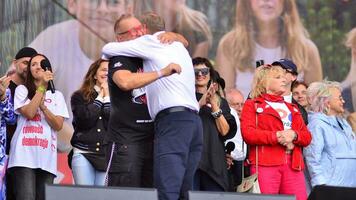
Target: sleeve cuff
{"x":106,"y":100}
{"x":98,"y":102}
{"x":99,"y":98}
{"x":318,"y":181}
{"x":274,"y":138}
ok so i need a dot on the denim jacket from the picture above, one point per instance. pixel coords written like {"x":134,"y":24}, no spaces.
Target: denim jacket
{"x":331,"y":156}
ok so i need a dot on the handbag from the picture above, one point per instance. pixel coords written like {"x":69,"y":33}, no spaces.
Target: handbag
{"x":250,"y":184}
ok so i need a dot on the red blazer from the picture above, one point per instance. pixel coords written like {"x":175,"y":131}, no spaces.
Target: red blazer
{"x":270,"y":152}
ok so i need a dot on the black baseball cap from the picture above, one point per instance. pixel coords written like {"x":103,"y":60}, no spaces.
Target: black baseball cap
{"x":287,"y":65}
{"x":25,"y":52}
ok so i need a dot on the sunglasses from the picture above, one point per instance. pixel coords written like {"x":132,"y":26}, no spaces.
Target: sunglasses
{"x":134,"y":30}
{"x":202,"y":71}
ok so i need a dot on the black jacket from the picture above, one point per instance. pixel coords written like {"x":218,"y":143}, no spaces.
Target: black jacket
{"x":302,"y":111}
{"x":90,"y":122}
{"x":213,"y":160}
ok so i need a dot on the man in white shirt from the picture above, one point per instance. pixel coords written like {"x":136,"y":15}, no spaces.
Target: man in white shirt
{"x":173,"y":107}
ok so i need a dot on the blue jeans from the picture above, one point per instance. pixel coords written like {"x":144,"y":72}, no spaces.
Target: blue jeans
{"x":84,"y":173}
{"x":178,"y":145}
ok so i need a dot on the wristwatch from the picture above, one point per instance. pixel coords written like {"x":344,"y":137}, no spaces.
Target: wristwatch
{"x":217,"y":114}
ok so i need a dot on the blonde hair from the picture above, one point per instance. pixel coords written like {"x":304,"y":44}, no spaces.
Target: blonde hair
{"x":262,"y":74}
{"x":318,"y":95}
{"x":192,"y":20}
{"x":351,"y":38}
{"x":239,"y":44}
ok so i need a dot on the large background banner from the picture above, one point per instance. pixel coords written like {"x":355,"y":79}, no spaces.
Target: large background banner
{"x":319,"y":35}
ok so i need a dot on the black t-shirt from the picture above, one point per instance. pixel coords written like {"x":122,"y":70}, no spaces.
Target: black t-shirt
{"x":10,"y":129}
{"x":129,"y":120}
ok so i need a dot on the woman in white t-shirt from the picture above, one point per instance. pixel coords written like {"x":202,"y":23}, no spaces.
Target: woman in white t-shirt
{"x":33,"y":152}
{"x":269,"y":31}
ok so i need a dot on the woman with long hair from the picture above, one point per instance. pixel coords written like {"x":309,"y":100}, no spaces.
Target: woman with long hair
{"x":218,"y":125}
{"x":266,"y":30}
{"x":33,"y":149}
{"x":91,"y":111}
{"x":276,"y":133}
{"x":349,"y":84}
{"x":331,"y":156}
{"x":190,"y":23}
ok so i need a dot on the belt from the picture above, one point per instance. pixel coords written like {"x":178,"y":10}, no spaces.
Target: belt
{"x":167,"y":111}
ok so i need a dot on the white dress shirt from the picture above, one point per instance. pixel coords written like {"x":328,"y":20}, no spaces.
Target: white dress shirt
{"x":166,"y":92}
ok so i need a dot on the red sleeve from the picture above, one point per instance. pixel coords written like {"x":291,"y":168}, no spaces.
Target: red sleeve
{"x":251,"y":134}
{"x":304,"y":136}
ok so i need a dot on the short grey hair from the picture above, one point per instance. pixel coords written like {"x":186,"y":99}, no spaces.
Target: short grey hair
{"x":318,"y":94}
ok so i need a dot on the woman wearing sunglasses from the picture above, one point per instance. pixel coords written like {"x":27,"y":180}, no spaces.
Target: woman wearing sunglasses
{"x":218,"y":125}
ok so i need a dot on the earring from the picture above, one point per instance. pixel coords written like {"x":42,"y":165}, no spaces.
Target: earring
{"x":326,"y":110}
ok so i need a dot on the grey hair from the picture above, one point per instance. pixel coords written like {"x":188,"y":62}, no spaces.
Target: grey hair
{"x":318,"y":95}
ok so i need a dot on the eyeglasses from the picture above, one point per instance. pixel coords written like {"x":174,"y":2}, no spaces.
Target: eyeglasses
{"x":340,"y":98}
{"x":111,"y":3}
{"x":134,"y":30}
{"x":203,"y":71}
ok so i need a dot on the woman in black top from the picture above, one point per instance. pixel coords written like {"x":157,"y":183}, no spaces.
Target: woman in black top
{"x":91,"y":110}
{"x":218,"y":125}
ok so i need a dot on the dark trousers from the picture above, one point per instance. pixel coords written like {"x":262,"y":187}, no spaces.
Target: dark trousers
{"x":29,"y":184}
{"x":178,"y":145}
{"x":203,"y":182}
{"x":9,"y":187}
{"x":236,"y":174}
{"x":132,"y":165}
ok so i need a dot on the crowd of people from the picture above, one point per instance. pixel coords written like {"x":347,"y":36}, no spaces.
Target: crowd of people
{"x":148,"y":115}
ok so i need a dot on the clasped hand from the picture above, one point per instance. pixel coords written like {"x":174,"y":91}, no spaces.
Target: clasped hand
{"x":286,"y":138}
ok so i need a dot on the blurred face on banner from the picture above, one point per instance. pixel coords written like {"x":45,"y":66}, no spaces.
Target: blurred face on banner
{"x":99,"y":15}
{"x":267,"y":10}
{"x":168,"y":9}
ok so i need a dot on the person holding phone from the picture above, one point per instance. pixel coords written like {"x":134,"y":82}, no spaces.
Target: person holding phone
{"x":218,"y":125}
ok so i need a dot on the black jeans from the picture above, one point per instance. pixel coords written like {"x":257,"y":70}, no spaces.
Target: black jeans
{"x":131,"y":165}
{"x":29,"y":184}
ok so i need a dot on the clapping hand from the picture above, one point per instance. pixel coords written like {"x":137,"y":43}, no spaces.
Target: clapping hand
{"x":4,"y":84}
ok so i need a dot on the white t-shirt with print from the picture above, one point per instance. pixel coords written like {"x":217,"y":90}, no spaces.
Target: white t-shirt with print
{"x":34,"y":144}
{"x":283,"y":112}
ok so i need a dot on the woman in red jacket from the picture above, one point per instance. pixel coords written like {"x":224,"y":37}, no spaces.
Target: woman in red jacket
{"x":276,"y":130}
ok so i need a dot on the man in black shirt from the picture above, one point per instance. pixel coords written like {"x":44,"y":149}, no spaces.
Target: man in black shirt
{"x":20,"y":63}
{"x":130,"y":137}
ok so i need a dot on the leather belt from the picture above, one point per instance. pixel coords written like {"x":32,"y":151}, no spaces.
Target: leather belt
{"x":167,"y":111}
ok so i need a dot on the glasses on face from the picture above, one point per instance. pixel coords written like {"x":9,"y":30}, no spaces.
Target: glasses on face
{"x":134,"y":30}
{"x":110,"y":3}
{"x":202,"y":71}
{"x":340,"y":98}
{"x":237,"y":104}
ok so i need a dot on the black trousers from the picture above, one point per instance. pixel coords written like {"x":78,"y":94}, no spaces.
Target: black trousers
{"x":29,"y":184}
{"x":131,"y":165}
